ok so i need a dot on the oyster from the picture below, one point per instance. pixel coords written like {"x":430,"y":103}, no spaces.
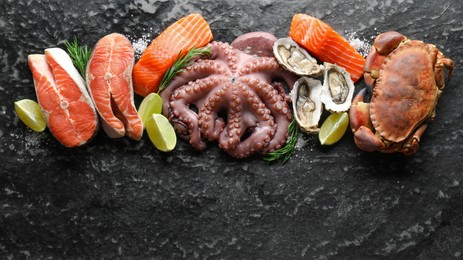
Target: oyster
{"x":295,"y":59}
{"x":307,"y":105}
{"x":338,"y":89}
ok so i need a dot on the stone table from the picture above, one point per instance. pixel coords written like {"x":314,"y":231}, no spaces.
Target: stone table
{"x":122,"y":198}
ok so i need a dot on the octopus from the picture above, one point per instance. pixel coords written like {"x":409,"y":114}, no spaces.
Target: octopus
{"x":231,"y":97}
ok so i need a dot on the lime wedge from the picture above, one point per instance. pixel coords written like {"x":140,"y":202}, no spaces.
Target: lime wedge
{"x":151,"y":104}
{"x":161,"y":133}
{"x":333,"y":128}
{"x":29,"y":112}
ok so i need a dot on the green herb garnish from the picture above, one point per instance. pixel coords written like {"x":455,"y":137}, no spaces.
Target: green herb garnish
{"x":79,"y":55}
{"x":181,"y":63}
{"x":287,"y":150}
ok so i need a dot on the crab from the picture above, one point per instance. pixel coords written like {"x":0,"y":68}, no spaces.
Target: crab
{"x":407,"y":78}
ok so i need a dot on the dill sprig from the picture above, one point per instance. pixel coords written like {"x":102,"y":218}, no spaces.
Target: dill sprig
{"x":286,"y":151}
{"x":181,"y":62}
{"x":79,"y":55}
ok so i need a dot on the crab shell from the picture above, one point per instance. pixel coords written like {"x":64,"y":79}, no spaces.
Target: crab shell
{"x":407,"y":77}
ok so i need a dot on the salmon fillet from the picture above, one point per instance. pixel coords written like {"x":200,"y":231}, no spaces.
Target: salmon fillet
{"x":189,"y":32}
{"x":326,"y":44}
{"x":63,"y":97}
{"x":109,"y":79}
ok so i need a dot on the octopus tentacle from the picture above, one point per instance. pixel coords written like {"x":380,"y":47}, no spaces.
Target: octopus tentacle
{"x":269,"y":70}
{"x":279,"y":109}
{"x":183,"y":118}
{"x":229,"y":138}
{"x":209,"y":121}
{"x":198,"y":70}
{"x":257,"y":119}
{"x":281,"y":91}
{"x":221,"y":51}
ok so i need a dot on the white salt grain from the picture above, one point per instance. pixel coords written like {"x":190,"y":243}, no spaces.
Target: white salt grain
{"x":361,"y":45}
{"x":140,"y":45}
{"x":300,"y":143}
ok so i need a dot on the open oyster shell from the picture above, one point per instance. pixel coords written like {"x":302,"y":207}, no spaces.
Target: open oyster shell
{"x":307,"y":105}
{"x":295,"y":59}
{"x":338,"y":89}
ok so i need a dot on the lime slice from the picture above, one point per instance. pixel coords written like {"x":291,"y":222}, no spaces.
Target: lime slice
{"x":333,"y":128}
{"x":161,"y":133}
{"x":151,"y":104}
{"x":29,"y":112}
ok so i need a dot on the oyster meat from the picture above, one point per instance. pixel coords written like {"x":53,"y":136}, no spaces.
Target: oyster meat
{"x":338,"y":89}
{"x":307,"y":105}
{"x":295,"y":59}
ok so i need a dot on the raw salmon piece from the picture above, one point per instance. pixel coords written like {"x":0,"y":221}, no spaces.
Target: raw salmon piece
{"x":191,"y":31}
{"x":63,"y":97}
{"x":109,"y":79}
{"x":326,"y":44}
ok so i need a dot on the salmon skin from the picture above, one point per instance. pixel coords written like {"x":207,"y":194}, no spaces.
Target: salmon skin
{"x":63,"y":98}
{"x":189,"y":32}
{"x":109,"y":80}
{"x":326,"y":44}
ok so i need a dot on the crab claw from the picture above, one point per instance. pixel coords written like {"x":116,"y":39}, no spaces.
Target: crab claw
{"x":384,"y":44}
{"x":372,"y":64}
{"x":359,"y":116}
{"x":359,"y":113}
{"x":366,"y":140}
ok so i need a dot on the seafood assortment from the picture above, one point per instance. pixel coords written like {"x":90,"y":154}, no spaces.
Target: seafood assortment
{"x":244,"y":94}
{"x":63,"y":98}
{"x":230,"y":97}
{"x":407,"y":77}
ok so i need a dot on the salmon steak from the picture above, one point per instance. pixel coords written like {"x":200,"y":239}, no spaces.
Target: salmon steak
{"x":64,"y":101}
{"x":191,"y":31}
{"x":109,"y":80}
{"x":326,"y":44}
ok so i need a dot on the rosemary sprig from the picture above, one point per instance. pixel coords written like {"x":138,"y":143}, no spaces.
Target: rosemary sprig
{"x":181,"y":63}
{"x":79,"y":55}
{"x":286,"y":151}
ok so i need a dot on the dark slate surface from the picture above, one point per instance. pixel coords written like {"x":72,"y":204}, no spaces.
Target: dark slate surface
{"x":121,"y":198}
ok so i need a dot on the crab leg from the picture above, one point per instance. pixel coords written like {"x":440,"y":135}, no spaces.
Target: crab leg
{"x":442,"y":63}
{"x":411,"y":145}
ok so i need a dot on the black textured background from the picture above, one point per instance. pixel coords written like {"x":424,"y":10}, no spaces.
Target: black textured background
{"x":121,"y":198}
